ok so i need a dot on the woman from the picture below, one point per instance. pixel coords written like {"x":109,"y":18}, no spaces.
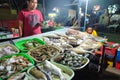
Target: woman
{"x":30,"y":19}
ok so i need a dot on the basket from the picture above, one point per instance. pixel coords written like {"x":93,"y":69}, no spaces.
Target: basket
{"x":41,"y":72}
{"x":72,"y":67}
{"x":65,"y":70}
{"x":19,"y":44}
{"x":47,"y":55}
{"x":12,"y":46}
{"x":20,"y":54}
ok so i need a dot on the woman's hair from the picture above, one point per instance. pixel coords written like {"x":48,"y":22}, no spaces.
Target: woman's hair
{"x":25,"y":4}
{"x":28,"y":0}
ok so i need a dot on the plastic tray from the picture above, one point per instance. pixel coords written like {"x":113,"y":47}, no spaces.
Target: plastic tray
{"x":40,"y":48}
{"x":64,"y":68}
{"x":12,"y":46}
{"x":20,"y":54}
{"x":74,"y":68}
{"x":20,"y":45}
{"x":43,"y":74}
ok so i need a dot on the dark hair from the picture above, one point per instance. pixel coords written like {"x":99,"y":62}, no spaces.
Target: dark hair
{"x":28,"y":0}
{"x":89,"y":26}
{"x":25,"y":4}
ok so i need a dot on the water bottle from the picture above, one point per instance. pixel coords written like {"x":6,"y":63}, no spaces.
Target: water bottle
{"x":118,"y":55}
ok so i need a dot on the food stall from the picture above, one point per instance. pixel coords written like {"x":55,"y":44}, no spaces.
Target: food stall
{"x":54,"y":55}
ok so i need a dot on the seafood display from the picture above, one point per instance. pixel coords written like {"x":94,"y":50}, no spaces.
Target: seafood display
{"x":54,"y":69}
{"x":57,"y":71}
{"x":72,"y":60}
{"x":37,"y":74}
{"x":18,"y":76}
{"x":56,"y":56}
{"x":76,"y":41}
{"x":90,"y":44}
{"x":42,"y":53}
{"x":30,"y":44}
{"x":12,"y":65}
{"x":7,"y":49}
{"x":64,"y":42}
{"x":27,"y":44}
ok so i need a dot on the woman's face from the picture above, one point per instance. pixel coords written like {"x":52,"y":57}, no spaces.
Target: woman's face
{"x":89,"y":30}
{"x":32,"y":4}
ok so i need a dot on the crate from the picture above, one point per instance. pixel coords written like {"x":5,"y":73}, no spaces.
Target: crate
{"x":117,"y":65}
{"x":110,"y":51}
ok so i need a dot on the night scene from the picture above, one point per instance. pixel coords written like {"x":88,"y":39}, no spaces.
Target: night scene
{"x":59,"y":39}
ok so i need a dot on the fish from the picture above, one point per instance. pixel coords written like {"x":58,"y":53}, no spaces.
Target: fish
{"x":17,"y":77}
{"x":54,"y":69}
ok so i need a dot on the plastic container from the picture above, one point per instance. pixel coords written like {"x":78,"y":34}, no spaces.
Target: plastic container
{"x":65,"y":69}
{"x":110,"y":63}
{"x":117,"y":65}
{"x":118,"y":55}
{"x":19,"y":44}
{"x":20,"y":54}
{"x":43,"y":75}
{"x":42,"y":53}
{"x":12,"y":46}
{"x":110,"y":51}
{"x":73,"y":68}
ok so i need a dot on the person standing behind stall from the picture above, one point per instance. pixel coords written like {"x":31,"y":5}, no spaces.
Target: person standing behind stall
{"x":51,"y":23}
{"x":90,"y":30}
{"x":30,"y":19}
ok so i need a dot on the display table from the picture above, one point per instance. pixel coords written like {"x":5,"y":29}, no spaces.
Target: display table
{"x":6,"y":36}
{"x":43,"y":30}
{"x":39,"y":36}
{"x":60,"y":31}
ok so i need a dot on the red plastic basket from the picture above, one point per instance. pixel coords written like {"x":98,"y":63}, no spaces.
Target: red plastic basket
{"x":110,"y":51}
{"x":117,"y":65}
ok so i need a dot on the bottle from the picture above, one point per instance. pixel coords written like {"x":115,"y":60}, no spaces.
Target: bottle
{"x":118,"y":55}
